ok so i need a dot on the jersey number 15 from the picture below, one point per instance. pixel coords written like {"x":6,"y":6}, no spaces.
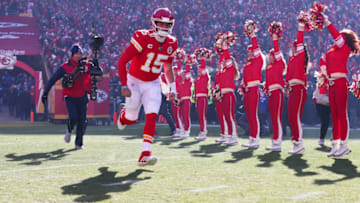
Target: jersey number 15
{"x":154,"y":67}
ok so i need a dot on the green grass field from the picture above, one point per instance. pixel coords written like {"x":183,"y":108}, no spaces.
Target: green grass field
{"x":37,"y":166}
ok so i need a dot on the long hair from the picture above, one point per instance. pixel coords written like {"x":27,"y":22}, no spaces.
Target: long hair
{"x":236,"y":66}
{"x":272,"y":52}
{"x":307,"y":62}
{"x":352,"y":40}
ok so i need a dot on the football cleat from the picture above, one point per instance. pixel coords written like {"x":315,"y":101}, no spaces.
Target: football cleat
{"x":146,"y":159}
{"x":120,"y":126}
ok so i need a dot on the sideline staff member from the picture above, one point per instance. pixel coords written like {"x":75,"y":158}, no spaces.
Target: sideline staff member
{"x":75,"y":96}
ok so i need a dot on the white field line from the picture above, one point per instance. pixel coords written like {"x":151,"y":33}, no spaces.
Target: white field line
{"x":4,"y":172}
{"x":209,"y":188}
{"x":121,"y":183}
{"x":310,"y":194}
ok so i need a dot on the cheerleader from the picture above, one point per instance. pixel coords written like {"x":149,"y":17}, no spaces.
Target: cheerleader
{"x":216,"y":94}
{"x":296,"y":84}
{"x":274,"y":86}
{"x":202,"y":84}
{"x":250,"y":85}
{"x":185,"y":96}
{"x":346,"y":44}
{"x":227,"y":85}
{"x":175,"y":104}
{"x":179,"y":56}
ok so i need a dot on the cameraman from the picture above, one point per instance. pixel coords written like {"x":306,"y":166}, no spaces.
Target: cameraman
{"x":75,"y":93}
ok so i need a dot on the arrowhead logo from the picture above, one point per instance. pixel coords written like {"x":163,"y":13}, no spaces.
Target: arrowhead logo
{"x":7,"y":62}
{"x":101,"y":96}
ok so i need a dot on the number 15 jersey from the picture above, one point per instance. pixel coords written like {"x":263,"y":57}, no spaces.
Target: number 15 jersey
{"x":147,"y":56}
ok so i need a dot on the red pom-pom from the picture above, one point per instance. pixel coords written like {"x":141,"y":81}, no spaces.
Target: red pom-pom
{"x":180,"y":54}
{"x":317,"y":15}
{"x":355,"y":85}
{"x":230,"y":38}
{"x":190,"y":59}
{"x":276,"y":28}
{"x":304,"y":18}
{"x":250,"y":27}
{"x":203,"y":53}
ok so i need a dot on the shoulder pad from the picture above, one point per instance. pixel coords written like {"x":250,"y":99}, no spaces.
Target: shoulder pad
{"x":172,"y":39}
{"x":140,"y":33}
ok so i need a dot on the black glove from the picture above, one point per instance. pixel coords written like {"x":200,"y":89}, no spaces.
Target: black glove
{"x":44,"y":99}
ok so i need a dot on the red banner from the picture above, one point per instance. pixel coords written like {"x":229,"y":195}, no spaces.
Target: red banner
{"x":96,"y":109}
{"x":19,"y":36}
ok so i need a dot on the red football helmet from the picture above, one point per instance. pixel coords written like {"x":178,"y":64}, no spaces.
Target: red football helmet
{"x":163,"y":15}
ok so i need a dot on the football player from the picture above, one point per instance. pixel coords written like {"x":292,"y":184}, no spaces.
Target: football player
{"x":149,"y":51}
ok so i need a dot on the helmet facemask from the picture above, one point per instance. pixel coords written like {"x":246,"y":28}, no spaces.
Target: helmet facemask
{"x":163,"y":31}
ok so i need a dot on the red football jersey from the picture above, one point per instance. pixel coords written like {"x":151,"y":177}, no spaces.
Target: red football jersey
{"x":147,"y":56}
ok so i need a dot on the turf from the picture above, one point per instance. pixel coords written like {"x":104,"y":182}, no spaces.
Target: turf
{"x":37,"y":166}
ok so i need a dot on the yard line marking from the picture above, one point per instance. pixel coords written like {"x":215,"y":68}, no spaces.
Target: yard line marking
{"x":121,"y":183}
{"x":302,"y":196}
{"x":61,"y":166}
{"x":3,"y":172}
{"x":209,"y":188}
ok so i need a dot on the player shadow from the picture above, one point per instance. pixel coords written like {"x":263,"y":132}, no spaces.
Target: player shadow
{"x":296,"y":163}
{"x":39,"y":158}
{"x":342,"y":167}
{"x":268,"y":158}
{"x":323,"y":148}
{"x":206,"y":150}
{"x":166,"y":140}
{"x":98,"y":188}
{"x":185,"y":144}
{"x":240,"y":155}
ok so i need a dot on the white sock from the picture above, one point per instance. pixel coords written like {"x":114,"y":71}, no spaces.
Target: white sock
{"x":146,"y":146}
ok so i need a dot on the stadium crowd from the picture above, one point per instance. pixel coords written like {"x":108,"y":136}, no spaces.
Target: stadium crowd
{"x":62,"y":23}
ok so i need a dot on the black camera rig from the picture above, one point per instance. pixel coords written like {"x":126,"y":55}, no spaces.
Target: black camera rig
{"x":96,"y":72}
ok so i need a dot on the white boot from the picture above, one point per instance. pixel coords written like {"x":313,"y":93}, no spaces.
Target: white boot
{"x":298,"y":147}
{"x":335,"y":148}
{"x":252,"y":144}
{"x":343,"y":149}
{"x":275,"y":147}
{"x":201,"y":136}
{"x":231,"y":140}
{"x":185,"y":134}
{"x":177,"y":133}
{"x":222,"y":139}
